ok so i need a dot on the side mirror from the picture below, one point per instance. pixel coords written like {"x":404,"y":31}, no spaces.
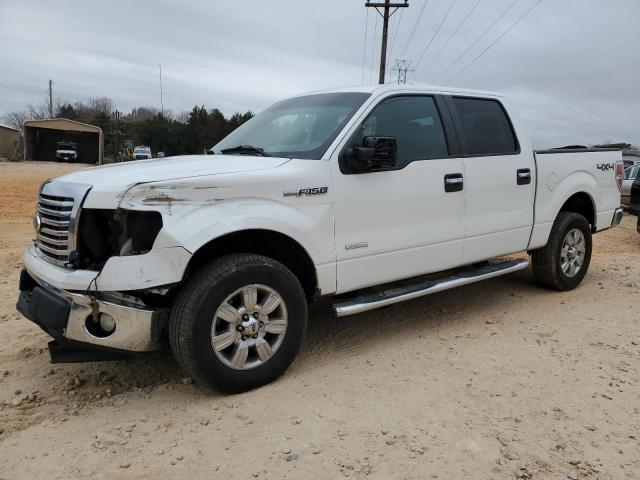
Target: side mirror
{"x":377,"y":153}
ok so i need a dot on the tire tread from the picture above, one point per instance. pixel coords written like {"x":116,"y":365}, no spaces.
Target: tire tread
{"x":544,"y":261}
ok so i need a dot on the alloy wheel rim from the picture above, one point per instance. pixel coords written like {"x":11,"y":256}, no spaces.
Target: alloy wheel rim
{"x":249,"y":327}
{"x":572,"y":255}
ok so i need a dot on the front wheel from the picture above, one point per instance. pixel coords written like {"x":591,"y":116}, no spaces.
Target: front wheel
{"x":564,"y":261}
{"x":238,"y":322}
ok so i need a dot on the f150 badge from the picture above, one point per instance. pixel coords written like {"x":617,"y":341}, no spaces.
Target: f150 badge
{"x":606,"y":166}
{"x":306,"y":191}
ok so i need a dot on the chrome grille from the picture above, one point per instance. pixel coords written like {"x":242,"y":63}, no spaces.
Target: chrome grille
{"x":57,"y":213}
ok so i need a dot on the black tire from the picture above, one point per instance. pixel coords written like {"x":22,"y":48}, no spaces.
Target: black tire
{"x":546,"y":261}
{"x":193,"y":312}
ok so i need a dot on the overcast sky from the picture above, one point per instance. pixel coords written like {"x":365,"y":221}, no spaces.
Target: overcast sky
{"x":572,"y":67}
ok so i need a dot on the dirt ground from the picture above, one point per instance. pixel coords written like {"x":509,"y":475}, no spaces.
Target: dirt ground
{"x":497,"y":380}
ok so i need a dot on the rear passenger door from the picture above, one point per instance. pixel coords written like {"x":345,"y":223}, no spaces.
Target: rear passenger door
{"x":499,"y":179}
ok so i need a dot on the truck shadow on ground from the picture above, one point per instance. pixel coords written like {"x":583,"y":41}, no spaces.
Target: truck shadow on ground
{"x":330,"y":339}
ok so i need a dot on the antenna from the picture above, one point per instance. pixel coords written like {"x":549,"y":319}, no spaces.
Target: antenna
{"x":161,"y":102}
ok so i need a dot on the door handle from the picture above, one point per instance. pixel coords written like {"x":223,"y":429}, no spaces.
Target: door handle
{"x":453,"y":182}
{"x":524,"y":176}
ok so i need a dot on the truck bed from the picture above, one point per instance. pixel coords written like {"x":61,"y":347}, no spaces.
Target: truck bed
{"x":560,"y":173}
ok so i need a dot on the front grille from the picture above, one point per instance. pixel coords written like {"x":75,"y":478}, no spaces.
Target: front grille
{"x":53,"y":236}
{"x":57,"y":210}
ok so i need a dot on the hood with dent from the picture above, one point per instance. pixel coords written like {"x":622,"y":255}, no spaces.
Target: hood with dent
{"x":109,"y":182}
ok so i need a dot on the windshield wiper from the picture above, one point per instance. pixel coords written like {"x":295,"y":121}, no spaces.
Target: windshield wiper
{"x":246,"y":150}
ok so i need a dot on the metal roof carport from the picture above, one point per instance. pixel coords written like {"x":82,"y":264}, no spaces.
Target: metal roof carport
{"x":41,"y":138}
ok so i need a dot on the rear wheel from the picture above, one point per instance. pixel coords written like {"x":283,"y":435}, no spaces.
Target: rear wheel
{"x":564,"y":261}
{"x":238,"y":323}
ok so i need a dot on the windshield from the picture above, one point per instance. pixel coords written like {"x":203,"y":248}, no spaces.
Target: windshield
{"x":142,"y":150}
{"x":66,"y":146}
{"x":302,"y":127}
{"x":632,"y":172}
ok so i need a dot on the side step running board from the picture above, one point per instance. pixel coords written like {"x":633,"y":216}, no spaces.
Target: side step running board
{"x":364,"y":303}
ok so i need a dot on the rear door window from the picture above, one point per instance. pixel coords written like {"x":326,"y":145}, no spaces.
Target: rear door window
{"x":486,"y":129}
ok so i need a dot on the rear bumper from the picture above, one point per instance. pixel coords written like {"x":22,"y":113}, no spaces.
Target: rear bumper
{"x":66,"y":316}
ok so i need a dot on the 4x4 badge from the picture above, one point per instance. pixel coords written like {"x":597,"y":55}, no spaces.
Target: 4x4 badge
{"x":606,"y":166}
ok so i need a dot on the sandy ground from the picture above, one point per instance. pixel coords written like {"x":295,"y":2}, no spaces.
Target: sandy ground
{"x":496,"y":380}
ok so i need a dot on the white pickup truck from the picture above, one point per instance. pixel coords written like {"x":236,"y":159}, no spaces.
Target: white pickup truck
{"x":339,"y":192}
{"x":67,"y":152}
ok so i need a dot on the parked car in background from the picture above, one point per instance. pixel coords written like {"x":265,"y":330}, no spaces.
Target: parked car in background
{"x":329,"y":194}
{"x":634,"y":200}
{"x":161,"y":154}
{"x":628,"y":177}
{"x":630,"y":157}
{"x":66,"y":152}
{"x":142,"y":153}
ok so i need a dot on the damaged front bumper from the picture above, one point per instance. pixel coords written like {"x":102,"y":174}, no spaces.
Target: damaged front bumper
{"x":69,"y":318}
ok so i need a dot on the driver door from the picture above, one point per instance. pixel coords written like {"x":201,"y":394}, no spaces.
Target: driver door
{"x":405,"y":219}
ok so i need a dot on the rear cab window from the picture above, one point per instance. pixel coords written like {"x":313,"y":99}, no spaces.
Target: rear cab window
{"x":486,"y":128}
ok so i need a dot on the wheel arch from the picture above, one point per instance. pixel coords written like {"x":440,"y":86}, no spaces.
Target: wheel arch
{"x":583,"y":204}
{"x":269,"y":243}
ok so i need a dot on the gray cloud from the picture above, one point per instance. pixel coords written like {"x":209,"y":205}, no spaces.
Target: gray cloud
{"x":570,"y":66}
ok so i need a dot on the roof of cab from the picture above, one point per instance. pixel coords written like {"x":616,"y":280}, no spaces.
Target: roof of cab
{"x":393,"y":87}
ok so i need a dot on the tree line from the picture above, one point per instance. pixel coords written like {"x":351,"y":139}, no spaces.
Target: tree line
{"x":187,"y":132}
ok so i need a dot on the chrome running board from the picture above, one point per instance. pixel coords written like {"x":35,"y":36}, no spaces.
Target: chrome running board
{"x":366,"y":302}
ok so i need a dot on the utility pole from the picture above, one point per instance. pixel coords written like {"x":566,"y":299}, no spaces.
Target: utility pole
{"x":117,"y":152}
{"x":50,"y":99}
{"x":402,"y":69}
{"x":386,"y":14}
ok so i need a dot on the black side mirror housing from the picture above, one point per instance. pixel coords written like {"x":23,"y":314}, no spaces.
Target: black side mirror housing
{"x":377,"y":153}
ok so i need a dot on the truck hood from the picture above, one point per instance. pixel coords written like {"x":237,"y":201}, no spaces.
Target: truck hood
{"x":109,"y":182}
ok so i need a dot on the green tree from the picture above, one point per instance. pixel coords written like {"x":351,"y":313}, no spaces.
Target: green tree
{"x":66,"y":110}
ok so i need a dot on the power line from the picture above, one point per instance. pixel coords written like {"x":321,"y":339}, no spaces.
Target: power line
{"x":364,"y":48}
{"x":415,"y":26}
{"x":464,"y":20}
{"x":373,"y":49}
{"x":476,"y":41}
{"x":494,"y":42}
{"x":436,"y":32}
{"x":395,"y":34}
